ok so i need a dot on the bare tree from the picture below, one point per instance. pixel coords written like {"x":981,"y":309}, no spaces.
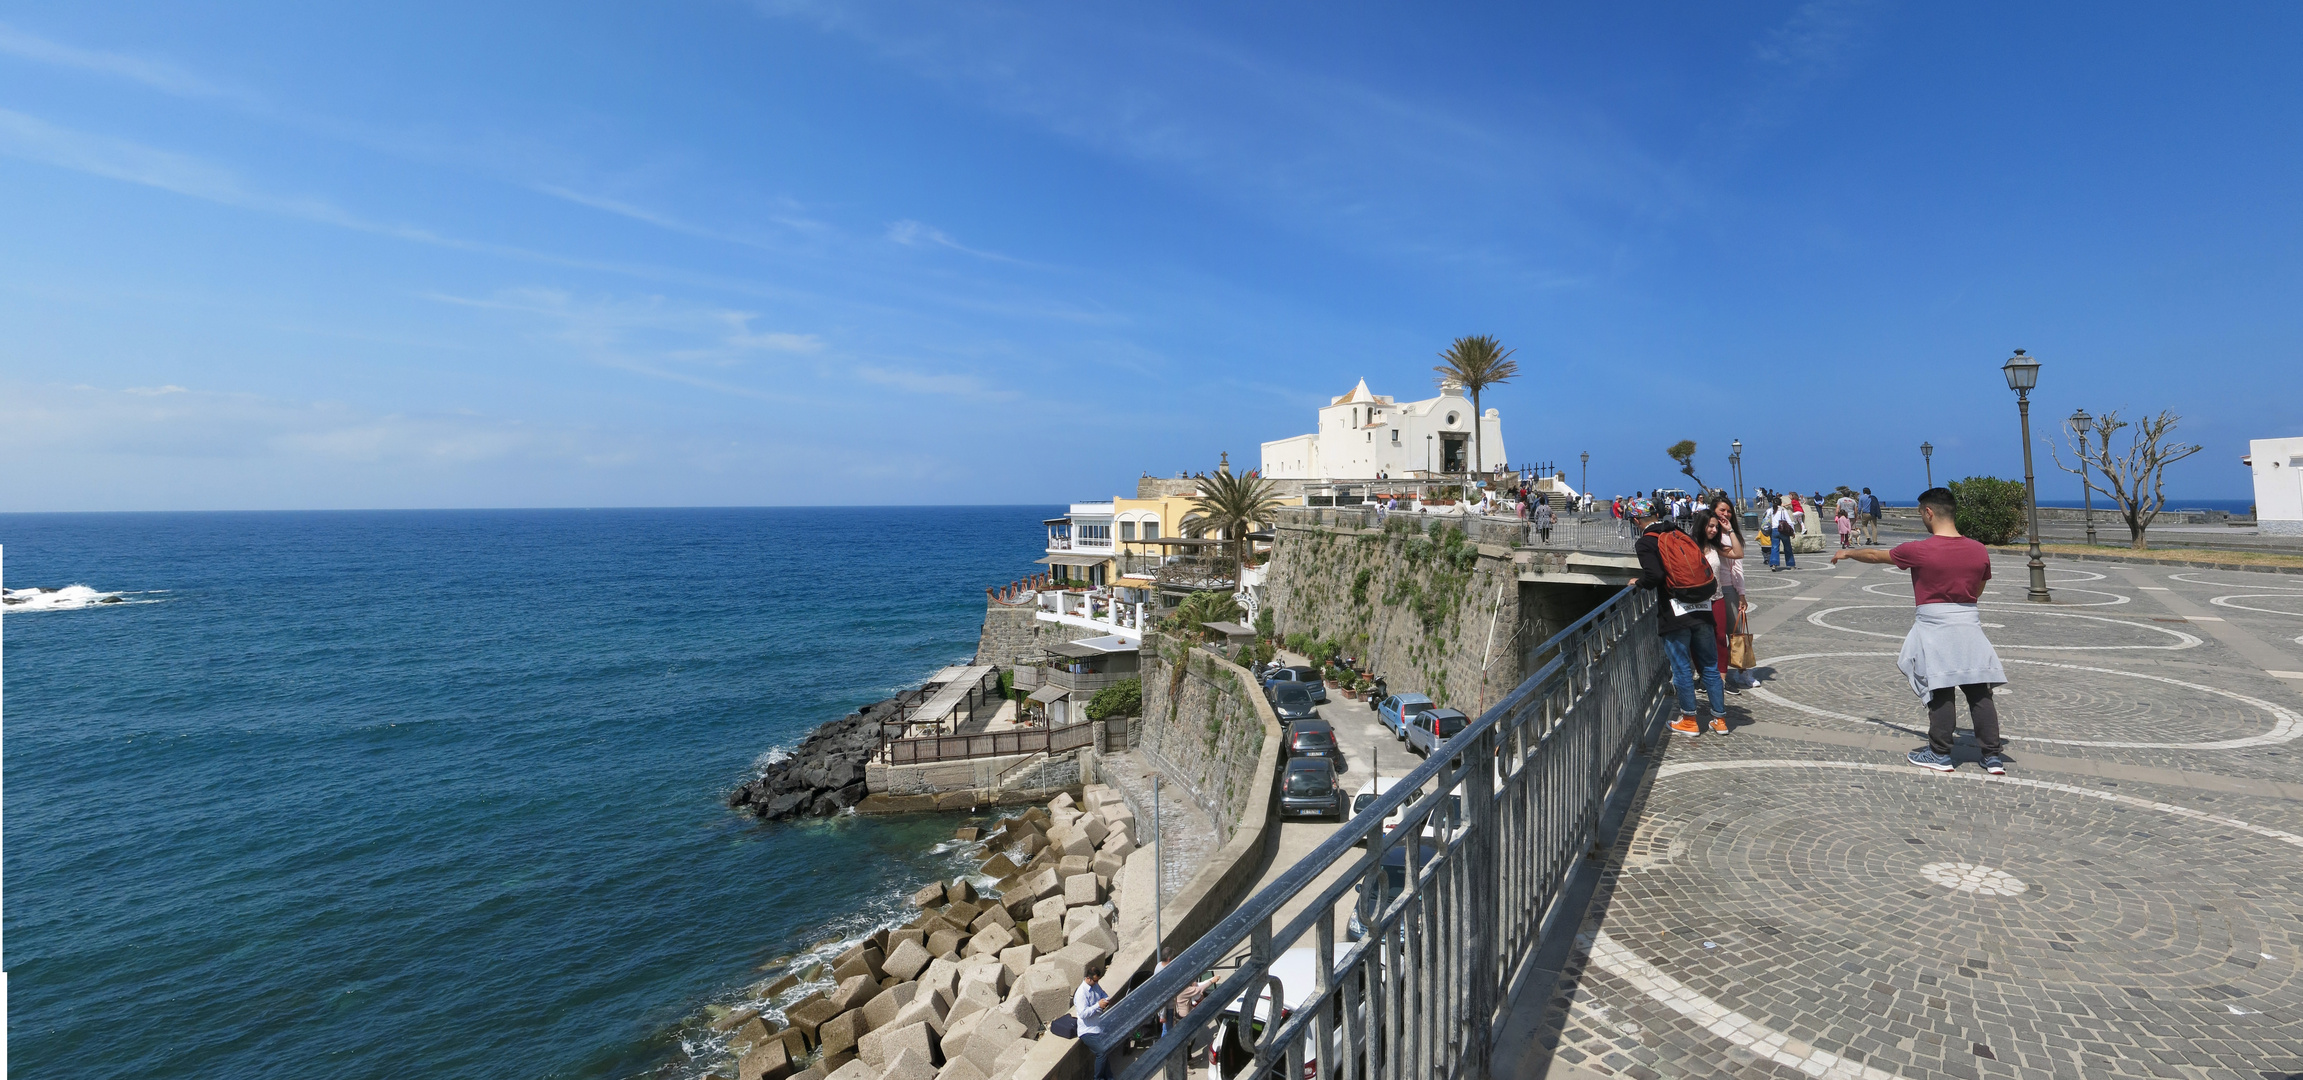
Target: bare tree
{"x":2136,"y":474}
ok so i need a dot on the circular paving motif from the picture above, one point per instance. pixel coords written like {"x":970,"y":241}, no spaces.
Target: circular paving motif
{"x":1811,"y":899}
{"x":2072,"y":632}
{"x":1970,"y":878}
{"x":2282,"y":603}
{"x":2045,"y":702}
{"x":2194,"y":579}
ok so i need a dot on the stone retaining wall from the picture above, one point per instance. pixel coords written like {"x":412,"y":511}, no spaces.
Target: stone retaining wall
{"x":1434,"y":615}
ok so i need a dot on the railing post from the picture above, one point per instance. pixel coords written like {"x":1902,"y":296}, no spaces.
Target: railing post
{"x":1481,"y":955}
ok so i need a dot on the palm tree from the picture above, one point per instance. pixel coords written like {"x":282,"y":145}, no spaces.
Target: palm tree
{"x":1236,"y":505}
{"x":1478,"y":362}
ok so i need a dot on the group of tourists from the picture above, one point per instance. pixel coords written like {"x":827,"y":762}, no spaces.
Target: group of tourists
{"x":1696,"y":568}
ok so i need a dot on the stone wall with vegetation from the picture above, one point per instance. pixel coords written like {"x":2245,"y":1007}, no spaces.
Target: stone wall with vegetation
{"x":1201,"y":724}
{"x":1431,"y":610}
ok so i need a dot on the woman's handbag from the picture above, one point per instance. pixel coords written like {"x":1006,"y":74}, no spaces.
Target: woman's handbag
{"x":1740,"y":654}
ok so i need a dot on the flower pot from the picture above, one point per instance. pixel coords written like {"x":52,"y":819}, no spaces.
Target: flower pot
{"x":1352,"y":694}
{"x":1333,"y":684}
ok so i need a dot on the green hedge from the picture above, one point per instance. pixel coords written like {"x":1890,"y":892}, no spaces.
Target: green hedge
{"x":1991,"y":510}
{"x":1118,"y":699}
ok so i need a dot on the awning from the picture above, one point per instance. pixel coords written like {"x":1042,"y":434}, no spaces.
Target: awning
{"x":1049,"y":693}
{"x":1055,"y":521}
{"x":1183,"y":541}
{"x":1074,"y":560}
{"x":1230,"y":629}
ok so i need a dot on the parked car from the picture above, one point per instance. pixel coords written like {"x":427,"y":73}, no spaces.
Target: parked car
{"x":1315,"y":738}
{"x":1307,"y":676}
{"x":1395,"y":711}
{"x":1427,"y":729}
{"x":1308,"y":788}
{"x":1391,"y":881}
{"x":1434,"y":828}
{"x":1291,"y":979}
{"x":1293,"y":702}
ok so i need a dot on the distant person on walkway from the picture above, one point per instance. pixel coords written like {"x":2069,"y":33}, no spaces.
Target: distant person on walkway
{"x":1867,"y":516}
{"x":1671,"y":563}
{"x":1541,"y":518}
{"x":1784,"y":523}
{"x":1946,"y":648}
{"x":1846,"y":523}
{"x":1723,"y":549}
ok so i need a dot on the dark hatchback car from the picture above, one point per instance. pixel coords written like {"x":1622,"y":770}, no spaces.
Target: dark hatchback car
{"x":1308,"y":789}
{"x":1292,"y":701}
{"x":1304,"y":676}
{"x":1315,"y":738}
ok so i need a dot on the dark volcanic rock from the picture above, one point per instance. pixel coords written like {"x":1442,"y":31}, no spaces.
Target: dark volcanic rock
{"x":823,"y":775}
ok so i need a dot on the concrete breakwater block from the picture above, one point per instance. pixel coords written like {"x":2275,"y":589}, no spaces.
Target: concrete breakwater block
{"x":908,"y":1064}
{"x":910,"y":957}
{"x":879,"y":1046}
{"x":1105,"y":864}
{"x":1044,"y":884}
{"x":1017,"y":958}
{"x":1082,"y":889}
{"x":1097,"y":936}
{"x":999,"y":866}
{"x":882,"y":1009}
{"x":929,"y":896}
{"x":854,"y":993}
{"x":735,"y":1019}
{"x":961,"y":1069}
{"x":841,"y":1032}
{"x":945,"y":942}
{"x":959,"y":891}
{"x":1044,"y":930}
{"x":994,"y":915}
{"x":990,"y":940}
{"x":968,"y":833}
{"x":854,"y":1069}
{"x":767,"y":1061}
{"x":811,"y":1013}
{"x":1047,"y":987}
{"x":861,"y":960}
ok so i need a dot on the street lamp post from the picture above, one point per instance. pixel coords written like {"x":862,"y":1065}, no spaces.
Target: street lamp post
{"x":1735,"y":465}
{"x":1587,"y":472}
{"x":1427,"y":455}
{"x":2022,"y":375}
{"x":1927,"y":457}
{"x":2079,"y":422}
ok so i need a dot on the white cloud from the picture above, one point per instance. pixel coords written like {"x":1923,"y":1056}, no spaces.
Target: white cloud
{"x":157,"y":74}
{"x":917,"y":382}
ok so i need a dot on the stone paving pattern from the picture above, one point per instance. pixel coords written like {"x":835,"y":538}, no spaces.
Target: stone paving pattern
{"x":1805,"y":903}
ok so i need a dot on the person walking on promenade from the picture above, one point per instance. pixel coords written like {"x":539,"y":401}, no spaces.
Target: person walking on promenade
{"x":1783,"y":524}
{"x":1723,"y":550}
{"x":1867,"y":516}
{"x":1672,"y":563}
{"x":1946,"y":649}
{"x":1846,"y":523}
{"x":1542,"y":517}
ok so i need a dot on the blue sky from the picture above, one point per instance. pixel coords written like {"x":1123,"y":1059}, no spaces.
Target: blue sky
{"x":717,"y":253}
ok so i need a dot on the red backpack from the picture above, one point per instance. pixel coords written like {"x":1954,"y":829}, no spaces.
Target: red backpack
{"x":1686,"y":574}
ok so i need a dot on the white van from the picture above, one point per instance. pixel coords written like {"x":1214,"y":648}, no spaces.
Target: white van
{"x":1291,"y":980}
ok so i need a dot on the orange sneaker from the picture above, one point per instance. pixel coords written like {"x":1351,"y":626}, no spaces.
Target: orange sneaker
{"x":1719,"y":725}
{"x":1686,"y":725}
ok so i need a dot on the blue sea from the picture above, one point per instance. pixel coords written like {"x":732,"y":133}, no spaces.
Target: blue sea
{"x":439,"y":793}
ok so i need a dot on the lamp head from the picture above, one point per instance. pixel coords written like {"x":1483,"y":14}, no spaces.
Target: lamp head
{"x":1926,"y":450}
{"x":2022,"y":372}
{"x":1736,"y":445}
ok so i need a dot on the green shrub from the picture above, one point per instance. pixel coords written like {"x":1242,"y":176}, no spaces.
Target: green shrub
{"x":1265,"y":626}
{"x":1991,"y":510}
{"x":1299,"y":643}
{"x":1359,"y":585}
{"x":1124,"y":698}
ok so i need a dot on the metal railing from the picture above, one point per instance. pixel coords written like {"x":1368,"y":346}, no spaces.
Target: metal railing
{"x":1417,"y":995}
{"x":1040,"y":740}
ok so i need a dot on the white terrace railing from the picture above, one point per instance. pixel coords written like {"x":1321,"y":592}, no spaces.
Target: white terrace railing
{"x":1419,"y":993}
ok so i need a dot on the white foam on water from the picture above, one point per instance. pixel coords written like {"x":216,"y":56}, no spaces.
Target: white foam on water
{"x":69,"y":598}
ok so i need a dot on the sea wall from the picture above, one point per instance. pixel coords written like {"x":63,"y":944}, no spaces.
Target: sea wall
{"x":1432,"y":610}
{"x":1209,"y":729}
{"x":1203,"y":724}
{"x":1012,"y":632}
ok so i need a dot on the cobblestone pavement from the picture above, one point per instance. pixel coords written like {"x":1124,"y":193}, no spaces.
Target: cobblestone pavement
{"x":1795,"y":900}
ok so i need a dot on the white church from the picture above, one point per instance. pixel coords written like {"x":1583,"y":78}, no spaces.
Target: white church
{"x":1363,"y":436}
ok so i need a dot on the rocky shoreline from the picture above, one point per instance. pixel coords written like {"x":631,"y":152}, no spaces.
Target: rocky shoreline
{"x":966,"y":989}
{"x":824,"y":774}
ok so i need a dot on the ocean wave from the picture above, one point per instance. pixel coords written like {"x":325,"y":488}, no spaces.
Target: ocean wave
{"x":70,"y":598}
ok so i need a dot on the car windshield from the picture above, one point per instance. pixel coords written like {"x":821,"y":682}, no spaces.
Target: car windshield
{"x":1415,"y":708}
{"x":1292,"y":694}
{"x":1444,"y":726}
{"x":1312,"y":739}
{"x":1308,"y":782}
{"x":1361,"y":803}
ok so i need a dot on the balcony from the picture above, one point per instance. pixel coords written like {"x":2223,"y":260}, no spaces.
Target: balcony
{"x":1096,"y":610}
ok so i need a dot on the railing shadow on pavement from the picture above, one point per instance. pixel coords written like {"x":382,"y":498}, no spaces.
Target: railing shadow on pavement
{"x":1418,"y":994}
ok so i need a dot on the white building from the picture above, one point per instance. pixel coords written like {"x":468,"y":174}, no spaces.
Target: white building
{"x":1362,"y":436}
{"x":2278,"y":468}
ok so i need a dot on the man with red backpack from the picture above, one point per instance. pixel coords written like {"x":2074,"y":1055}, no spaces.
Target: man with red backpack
{"x":1672,"y":563}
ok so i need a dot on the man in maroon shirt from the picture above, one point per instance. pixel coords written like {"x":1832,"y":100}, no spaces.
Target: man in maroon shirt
{"x":1946,"y":648}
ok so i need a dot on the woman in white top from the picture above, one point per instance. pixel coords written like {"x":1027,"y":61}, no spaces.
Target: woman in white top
{"x":1723,"y":549}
